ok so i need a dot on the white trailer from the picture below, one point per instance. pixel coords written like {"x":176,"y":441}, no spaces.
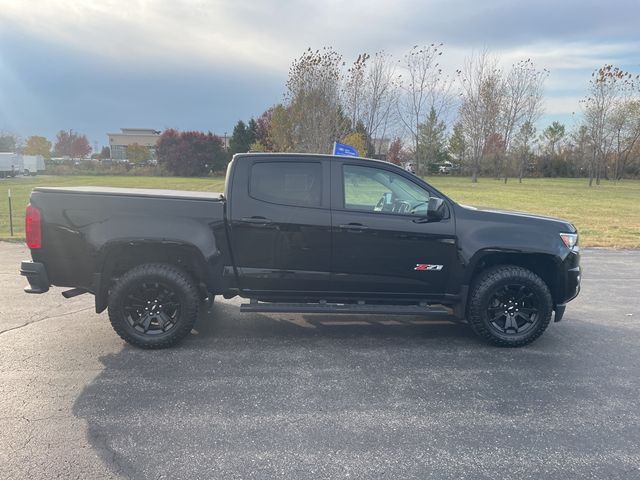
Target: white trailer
{"x":10,"y":164}
{"x":33,"y":164}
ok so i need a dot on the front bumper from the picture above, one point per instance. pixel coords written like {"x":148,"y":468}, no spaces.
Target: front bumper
{"x":36,"y":276}
{"x":568,"y":283}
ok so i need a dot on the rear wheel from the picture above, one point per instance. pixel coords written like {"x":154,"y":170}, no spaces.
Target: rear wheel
{"x":509,"y":306}
{"x":154,"y":305}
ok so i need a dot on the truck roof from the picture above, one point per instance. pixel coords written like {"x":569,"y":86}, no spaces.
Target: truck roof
{"x":134,"y":192}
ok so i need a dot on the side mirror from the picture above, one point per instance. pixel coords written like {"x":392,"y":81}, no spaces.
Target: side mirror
{"x":436,"y":209}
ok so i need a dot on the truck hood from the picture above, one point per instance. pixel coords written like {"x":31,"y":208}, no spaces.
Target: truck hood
{"x":517,"y":217}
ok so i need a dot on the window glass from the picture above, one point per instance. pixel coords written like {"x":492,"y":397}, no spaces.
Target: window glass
{"x":377,"y":190}
{"x":287,"y":183}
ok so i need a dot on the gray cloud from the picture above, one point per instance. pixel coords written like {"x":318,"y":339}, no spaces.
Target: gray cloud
{"x":197,"y":64}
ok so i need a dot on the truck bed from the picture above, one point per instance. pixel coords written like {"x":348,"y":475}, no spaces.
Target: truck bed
{"x":80,"y":225}
{"x":134,"y":192}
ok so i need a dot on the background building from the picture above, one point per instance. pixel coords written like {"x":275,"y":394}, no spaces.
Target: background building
{"x":118,"y":142}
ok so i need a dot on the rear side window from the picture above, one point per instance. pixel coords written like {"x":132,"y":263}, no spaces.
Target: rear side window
{"x":287,"y":183}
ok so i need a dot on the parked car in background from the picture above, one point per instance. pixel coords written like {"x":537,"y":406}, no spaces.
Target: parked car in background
{"x":445,"y":168}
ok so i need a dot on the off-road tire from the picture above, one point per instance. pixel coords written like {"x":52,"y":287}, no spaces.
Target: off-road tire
{"x":176,"y":280}
{"x":485,"y":288}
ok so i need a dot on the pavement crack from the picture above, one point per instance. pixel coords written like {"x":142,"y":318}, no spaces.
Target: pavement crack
{"x":110,"y":455}
{"x":30,"y":322}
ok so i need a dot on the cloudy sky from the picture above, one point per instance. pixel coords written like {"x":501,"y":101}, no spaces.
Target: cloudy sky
{"x":96,"y":66}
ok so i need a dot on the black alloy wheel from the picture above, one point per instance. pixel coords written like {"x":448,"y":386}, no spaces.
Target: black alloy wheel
{"x":152,"y":308}
{"x":154,"y":305}
{"x":509,"y":306}
{"x":513,"y":309}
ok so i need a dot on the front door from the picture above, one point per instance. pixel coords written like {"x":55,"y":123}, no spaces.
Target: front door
{"x":383,"y":244}
{"x":280,"y":225}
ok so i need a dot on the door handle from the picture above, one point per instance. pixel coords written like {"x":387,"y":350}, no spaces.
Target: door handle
{"x":354,"y":227}
{"x":256,"y":220}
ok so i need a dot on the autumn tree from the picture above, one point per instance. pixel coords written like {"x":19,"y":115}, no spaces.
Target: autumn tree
{"x":72,"y":144}
{"x":138,"y":154}
{"x":189,"y":154}
{"x":313,"y":101}
{"x":394,"y":154}
{"x":263,"y":139}
{"x":357,"y":141}
{"x":36,"y":145}
{"x":281,"y":129}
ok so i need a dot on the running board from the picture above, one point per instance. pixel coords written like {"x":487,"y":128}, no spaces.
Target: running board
{"x":351,"y":308}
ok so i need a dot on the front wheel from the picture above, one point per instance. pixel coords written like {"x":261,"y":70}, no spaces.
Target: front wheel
{"x":154,"y":305}
{"x":509,"y":306}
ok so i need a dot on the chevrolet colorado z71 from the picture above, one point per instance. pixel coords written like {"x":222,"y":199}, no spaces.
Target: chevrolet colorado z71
{"x":301,"y":233}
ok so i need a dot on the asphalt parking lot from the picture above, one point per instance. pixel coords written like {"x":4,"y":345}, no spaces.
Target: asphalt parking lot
{"x":290,"y":396}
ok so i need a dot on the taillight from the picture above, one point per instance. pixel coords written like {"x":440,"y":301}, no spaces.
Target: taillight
{"x":33,"y":228}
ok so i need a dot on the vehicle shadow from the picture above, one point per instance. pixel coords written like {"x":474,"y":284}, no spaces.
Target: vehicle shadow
{"x":320,"y":396}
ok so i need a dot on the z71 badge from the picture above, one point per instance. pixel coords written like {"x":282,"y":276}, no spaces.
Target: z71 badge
{"x":427,"y":266}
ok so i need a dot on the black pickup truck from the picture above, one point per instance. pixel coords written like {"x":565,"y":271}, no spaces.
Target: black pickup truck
{"x":301,"y":233}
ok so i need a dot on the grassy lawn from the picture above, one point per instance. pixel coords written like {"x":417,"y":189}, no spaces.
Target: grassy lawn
{"x":607,"y":215}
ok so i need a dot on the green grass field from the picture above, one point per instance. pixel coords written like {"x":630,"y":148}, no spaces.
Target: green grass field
{"x":607,"y":215}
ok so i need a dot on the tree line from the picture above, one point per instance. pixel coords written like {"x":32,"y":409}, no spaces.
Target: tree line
{"x":68,"y":144}
{"x":482,"y":119}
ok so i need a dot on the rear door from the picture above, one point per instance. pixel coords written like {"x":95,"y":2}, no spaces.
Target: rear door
{"x":383,"y":245}
{"x":280,"y":222}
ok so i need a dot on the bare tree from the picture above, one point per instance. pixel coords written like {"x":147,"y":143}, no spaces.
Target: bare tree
{"x":522,"y":103}
{"x":581,"y":145}
{"x":424,"y":88}
{"x":625,"y":123}
{"x":380,"y":98}
{"x":354,"y":89}
{"x":523,"y":147}
{"x":610,"y":87}
{"x":481,"y":104}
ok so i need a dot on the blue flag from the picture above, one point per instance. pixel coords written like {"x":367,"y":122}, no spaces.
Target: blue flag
{"x":344,"y":150}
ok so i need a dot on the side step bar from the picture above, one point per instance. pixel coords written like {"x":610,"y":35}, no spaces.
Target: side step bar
{"x":351,"y":308}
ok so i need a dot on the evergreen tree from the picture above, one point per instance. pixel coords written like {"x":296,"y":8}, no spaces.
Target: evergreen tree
{"x":432,"y":140}
{"x":242,"y":137}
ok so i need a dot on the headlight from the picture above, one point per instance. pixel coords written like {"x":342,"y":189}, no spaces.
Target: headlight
{"x":569,"y":239}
